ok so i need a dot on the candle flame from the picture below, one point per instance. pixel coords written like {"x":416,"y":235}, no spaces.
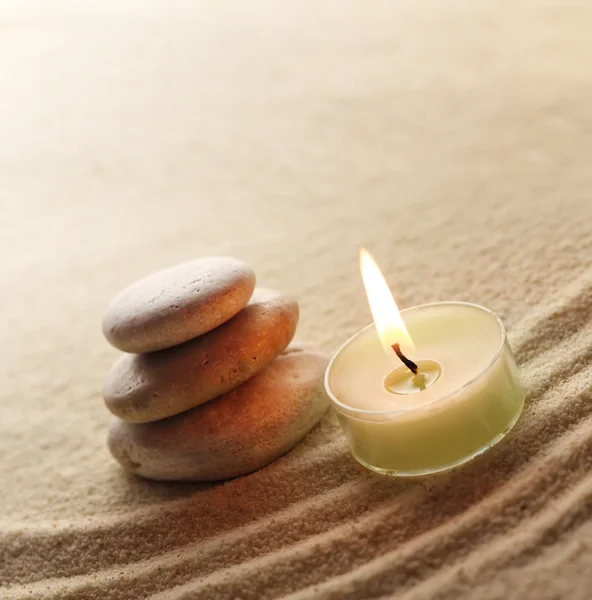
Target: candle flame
{"x":388,"y":321}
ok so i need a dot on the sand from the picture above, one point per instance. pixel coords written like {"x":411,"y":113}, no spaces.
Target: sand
{"x":452,"y":139}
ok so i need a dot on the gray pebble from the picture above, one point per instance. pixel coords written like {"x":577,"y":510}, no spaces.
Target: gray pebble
{"x":178,"y":304}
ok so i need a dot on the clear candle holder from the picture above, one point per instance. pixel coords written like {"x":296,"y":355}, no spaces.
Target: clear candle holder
{"x":398,"y":426}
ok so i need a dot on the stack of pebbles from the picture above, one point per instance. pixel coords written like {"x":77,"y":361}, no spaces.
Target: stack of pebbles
{"x":210,"y":388}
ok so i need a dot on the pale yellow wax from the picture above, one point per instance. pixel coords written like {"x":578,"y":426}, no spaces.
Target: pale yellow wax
{"x":476,"y":399}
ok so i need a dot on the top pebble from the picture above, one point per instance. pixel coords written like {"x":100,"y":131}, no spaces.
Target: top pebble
{"x":178,"y":304}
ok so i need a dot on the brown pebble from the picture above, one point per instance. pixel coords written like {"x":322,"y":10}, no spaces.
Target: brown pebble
{"x":234,"y":434}
{"x":146,"y":387}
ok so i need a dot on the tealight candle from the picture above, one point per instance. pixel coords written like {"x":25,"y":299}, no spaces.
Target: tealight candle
{"x":424,"y":389}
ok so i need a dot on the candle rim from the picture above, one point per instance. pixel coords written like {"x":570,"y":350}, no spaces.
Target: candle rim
{"x":352,"y":411}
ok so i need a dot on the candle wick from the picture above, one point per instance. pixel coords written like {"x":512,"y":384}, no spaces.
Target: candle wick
{"x":408,"y":363}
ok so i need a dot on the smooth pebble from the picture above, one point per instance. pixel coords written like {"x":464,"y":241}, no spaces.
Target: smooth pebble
{"x":178,"y":304}
{"x":241,"y":431}
{"x":147,"y":387}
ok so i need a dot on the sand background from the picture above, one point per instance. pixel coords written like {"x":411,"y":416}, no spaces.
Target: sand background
{"x":453,"y":139}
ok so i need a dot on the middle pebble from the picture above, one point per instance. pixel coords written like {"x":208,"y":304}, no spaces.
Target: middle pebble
{"x":147,"y":387}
